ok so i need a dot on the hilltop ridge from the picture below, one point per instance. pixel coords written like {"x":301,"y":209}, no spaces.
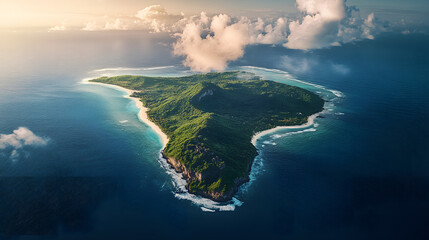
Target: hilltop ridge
{"x":211,"y":118}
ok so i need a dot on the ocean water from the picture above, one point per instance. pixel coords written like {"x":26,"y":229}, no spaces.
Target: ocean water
{"x":360,"y":172}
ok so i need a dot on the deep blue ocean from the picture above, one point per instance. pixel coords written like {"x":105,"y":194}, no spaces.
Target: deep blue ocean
{"x":361,"y":172}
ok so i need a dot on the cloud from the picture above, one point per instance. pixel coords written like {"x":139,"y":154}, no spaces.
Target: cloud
{"x":270,"y":33}
{"x":302,"y":65}
{"x":118,"y":24}
{"x":114,"y":24}
{"x":154,"y":18}
{"x":20,"y":138}
{"x":297,"y":65}
{"x":61,"y":27}
{"x":328,"y":23}
{"x":208,"y":44}
{"x":92,"y":26}
{"x":340,"y":68}
{"x":157,"y":18}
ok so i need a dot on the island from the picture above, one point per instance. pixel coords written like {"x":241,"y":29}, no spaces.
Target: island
{"x":210,"y":120}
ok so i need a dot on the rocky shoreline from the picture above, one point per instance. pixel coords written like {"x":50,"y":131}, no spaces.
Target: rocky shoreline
{"x":191,"y":175}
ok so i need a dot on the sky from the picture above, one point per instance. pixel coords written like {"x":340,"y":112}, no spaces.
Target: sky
{"x":208,"y":35}
{"x":38,"y":13}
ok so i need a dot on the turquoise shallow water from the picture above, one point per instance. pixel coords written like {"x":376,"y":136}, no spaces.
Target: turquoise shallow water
{"x":122,"y":115}
{"x":360,"y":173}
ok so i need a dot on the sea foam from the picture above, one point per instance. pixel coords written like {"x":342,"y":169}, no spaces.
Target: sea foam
{"x":179,"y":184}
{"x":336,"y":93}
{"x":180,"y":192}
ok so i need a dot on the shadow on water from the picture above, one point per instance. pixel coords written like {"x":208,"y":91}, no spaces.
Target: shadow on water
{"x":44,"y":205}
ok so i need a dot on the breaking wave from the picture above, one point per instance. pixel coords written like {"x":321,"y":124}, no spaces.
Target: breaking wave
{"x":336,"y":93}
{"x":276,"y":136}
{"x":178,"y":183}
{"x":180,"y":192}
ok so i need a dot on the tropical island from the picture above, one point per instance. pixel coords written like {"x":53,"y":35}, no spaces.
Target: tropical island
{"x":210,"y":120}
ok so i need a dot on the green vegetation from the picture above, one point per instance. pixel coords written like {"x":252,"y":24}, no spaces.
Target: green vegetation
{"x":210,"y":119}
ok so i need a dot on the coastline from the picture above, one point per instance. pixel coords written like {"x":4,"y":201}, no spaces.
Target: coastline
{"x":142,"y":115}
{"x":310,"y":121}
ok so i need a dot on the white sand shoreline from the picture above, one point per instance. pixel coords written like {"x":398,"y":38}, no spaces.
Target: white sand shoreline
{"x":142,"y":115}
{"x":310,"y":122}
{"x":206,"y":206}
{"x":164,"y":139}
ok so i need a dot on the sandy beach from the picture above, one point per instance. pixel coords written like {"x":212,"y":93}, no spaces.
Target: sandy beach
{"x":142,"y":115}
{"x":310,"y":121}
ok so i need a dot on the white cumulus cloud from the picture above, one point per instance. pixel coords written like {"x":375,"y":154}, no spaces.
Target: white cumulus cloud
{"x":210,"y":44}
{"x":154,"y":18}
{"x":328,"y":23}
{"x":118,"y":24}
{"x":92,"y":26}
{"x":157,"y":18}
{"x":269,"y":33}
{"x":61,"y":27}
{"x":19,"y":139}
{"x":113,"y":24}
